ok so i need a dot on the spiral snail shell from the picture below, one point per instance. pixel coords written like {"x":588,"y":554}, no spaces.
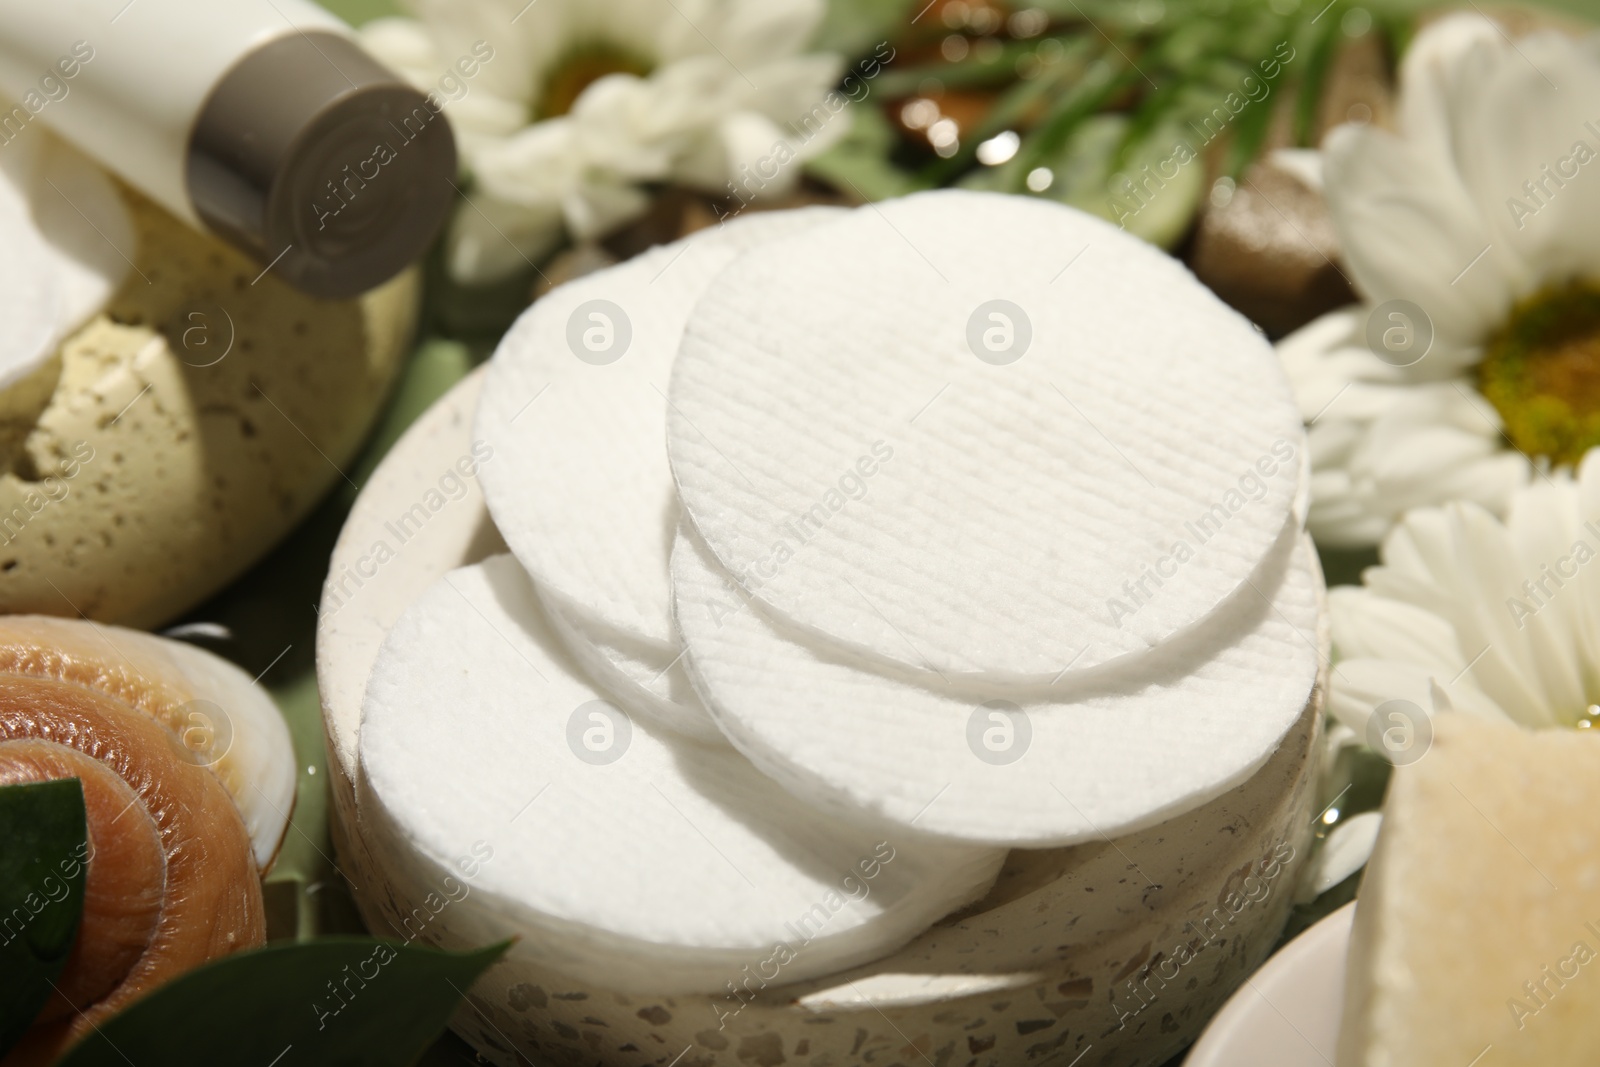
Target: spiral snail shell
{"x":188,"y":776}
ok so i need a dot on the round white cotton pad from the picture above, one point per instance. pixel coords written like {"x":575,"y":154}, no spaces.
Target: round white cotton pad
{"x":66,"y":233}
{"x":81,"y":217}
{"x":1098,"y":755}
{"x":576,"y":405}
{"x":644,"y":681}
{"x":980,"y":434}
{"x":623,"y":856}
{"x":31,"y":292}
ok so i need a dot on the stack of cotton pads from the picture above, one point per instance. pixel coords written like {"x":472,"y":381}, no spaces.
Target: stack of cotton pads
{"x":848,"y":551}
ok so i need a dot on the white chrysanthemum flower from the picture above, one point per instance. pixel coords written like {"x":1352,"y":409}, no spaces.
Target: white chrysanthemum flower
{"x":1473,"y":238}
{"x":1468,"y":614}
{"x":585,"y":101}
{"x":1479,"y":615}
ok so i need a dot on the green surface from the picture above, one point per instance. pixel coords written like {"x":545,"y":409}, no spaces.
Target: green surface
{"x":271,"y":613}
{"x":356,"y":12}
{"x":42,"y":866}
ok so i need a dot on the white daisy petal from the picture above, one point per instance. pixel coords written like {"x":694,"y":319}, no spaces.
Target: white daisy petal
{"x":402,"y":44}
{"x":481,"y":119}
{"x":1485,"y":571}
{"x":1375,"y":627}
{"x":1589,"y":484}
{"x":622,"y":124}
{"x":1404,"y":453}
{"x":1342,"y":522}
{"x":1411,"y":232}
{"x":1476,"y":615}
{"x":595,"y":209}
{"x":1336,"y":738}
{"x":1541,"y":523}
{"x":1323,"y":334}
{"x":752,"y":144}
{"x":522,"y":51}
{"x":1588,"y":507}
{"x":1346,"y":851}
{"x":804,"y":80}
{"x":1430,"y":73}
{"x":1362,"y":683}
{"x":1516,"y":118}
{"x":1421,"y":548}
{"x":1408,"y":588}
{"x":1549,"y":558}
{"x":750,"y":34}
{"x":1331,"y":442}
{"x":1361,"y":686}
{"x":1369,"y":472}
{"x":1489,"y":481}
{"x":1467,"y":699}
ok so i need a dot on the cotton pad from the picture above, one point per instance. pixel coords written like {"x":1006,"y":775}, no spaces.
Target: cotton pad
{"x":575,"y":405}
{"x":1096,"y":755}
{"x":81,"y":216}
{"x":623,"y":856}
{"x":644,"y":681}
{"x":31,"y":293}
{"x":65,"y":231}
{"x":980,"y":434}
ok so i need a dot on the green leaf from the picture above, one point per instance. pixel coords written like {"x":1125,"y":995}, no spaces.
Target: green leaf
{"x":982,"y":67}
{"x":1102,"y":82}
{"x":1156,"y":110}
{"x":1322,"y":48}
{"x":1007,"y":113}
{"x":1249,"y":134}
{"x":350,"y":1002}
{"x":1169,"y":192}
{"x":45,"y":835}
{"x":1082,"y":169}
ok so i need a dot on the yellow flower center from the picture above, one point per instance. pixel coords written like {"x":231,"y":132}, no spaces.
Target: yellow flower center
{"x":580,"y":68}
{"x":1541,"y":371}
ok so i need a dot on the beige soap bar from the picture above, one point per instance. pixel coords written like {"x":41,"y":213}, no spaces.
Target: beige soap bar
{"x":1477,"y":931}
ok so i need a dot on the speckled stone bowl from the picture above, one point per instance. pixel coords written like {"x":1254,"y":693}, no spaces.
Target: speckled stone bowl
{"x":179,"y":435}
{"x":1112,"y":953}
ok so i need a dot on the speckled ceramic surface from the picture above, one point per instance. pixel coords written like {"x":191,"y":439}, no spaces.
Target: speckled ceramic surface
{"x":1110,"y":953}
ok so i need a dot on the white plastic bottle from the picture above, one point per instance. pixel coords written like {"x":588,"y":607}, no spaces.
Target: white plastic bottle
{"x":261,"y":121}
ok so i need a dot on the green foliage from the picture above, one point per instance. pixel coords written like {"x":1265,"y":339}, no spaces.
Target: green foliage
{"x":352,"y":1002}
{"x":42,"y":865}
{"x":1195,"y":87}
